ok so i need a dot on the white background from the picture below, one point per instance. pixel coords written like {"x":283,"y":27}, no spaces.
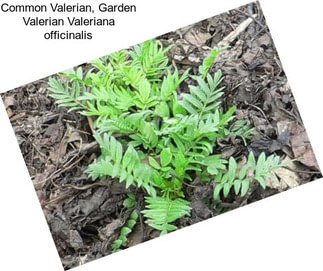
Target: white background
{"x":283,"y":232}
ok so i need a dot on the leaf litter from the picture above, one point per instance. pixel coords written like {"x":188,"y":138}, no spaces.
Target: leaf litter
{"x":85,"y":217}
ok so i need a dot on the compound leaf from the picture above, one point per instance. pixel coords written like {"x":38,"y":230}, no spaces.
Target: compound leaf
{"x":161,"y":211}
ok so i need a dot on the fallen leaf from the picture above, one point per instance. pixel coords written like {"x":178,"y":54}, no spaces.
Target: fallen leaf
{"x":9,"y":101}
{"x":274,"y":183}
{"x":197,"y":38}
{"x":301,"y":147}
{"x":76,"y":240}
{"x":252,"y":54}
{"x":286,"y":176}
{"x":136,"y":237}
{"x":106,"y":232}
{"x":264,"y":40}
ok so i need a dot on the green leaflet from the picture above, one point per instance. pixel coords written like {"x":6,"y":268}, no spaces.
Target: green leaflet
{"x":130,"y":201}
{"x":165,"y":157}
{"x":208,"y":61}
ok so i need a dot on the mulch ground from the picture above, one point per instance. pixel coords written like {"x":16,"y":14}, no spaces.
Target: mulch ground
{"x":84,"y":216}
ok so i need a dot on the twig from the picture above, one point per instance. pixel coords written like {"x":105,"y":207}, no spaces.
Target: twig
{"x":259,"y":109}
{"x":90,"y":122}
{"x":85,"y":149}
{"x":182,"y":181}
{"x":62,"y":196}
{"x":39,"y":152}
{"x":142,"y":225}
{"x":64,"y":168}
{"x":228,"y":205}
{"x":251,"y":16}
{"x":303,"y":171}
{"x":235,"y":33}
{"x":248,"y":195}
{"x":256,"y":35}
{"x":84,"y":187}
{"x":190,"y":185}
{"x":291,"y":115}
{"x":18,"y":116}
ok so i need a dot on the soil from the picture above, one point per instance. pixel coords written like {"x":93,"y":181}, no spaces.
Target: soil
{"x":85,"y":217}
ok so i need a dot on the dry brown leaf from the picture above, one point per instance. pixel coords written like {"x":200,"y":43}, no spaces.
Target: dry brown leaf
{"x":283,"y":178}
{"x":197,"y":38}
{"x":76,"y":240}
{"x":9,"y":101}
{"x":109,"y":229}
{"x":274,"y":183}
{"x":301,"y":147}
{"x":286,"y":176}
{"x":135,"y":237}
{"x":284,"y":126}
{"x":264,"y":40}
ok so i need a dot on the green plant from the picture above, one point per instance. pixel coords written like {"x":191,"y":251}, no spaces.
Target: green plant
{"x":130,"y":201}
{"x":153,"y":137}
{"x":162,"y":210}
{"x":124,"y":232}
{"x":240,"y":178}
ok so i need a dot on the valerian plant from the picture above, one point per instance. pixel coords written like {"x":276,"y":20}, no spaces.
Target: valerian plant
{"x":124,"y":232}
{"x":152,"y":136}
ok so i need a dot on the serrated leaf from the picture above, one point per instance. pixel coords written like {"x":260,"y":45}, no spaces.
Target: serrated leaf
{"x":162,"y":110}
{"x":130,"y":223}
{"x":134,"y":215}
{"x":153,"y":162}
{"x":193,"y":101}
{"x":260,"y":163}
{"x":188,"y":107}
{"x":232,"y":169}
{"x":165,"y":157}
{"x":123,"y":238}
{"x":117,"y":243}
{"x":115,"y":170}
{"x":79,"y":73}
{"x":243,"y":171}
{"x":178,"y":109}
{"x":252,"y":160}
{"x":161,"y":211}
{"x":226,"y":189}
{"x":207,"y":62}
{"x":237,"y":186}
{"x":125,"y":231}
{"x":212,"y":169}
{"x":129,"y":202}
{"x":217,"y":190}
{"x":129,"y":181}
{"x":129,"y":156}
{"x":244,"y":187}
{"x":261,"y":181}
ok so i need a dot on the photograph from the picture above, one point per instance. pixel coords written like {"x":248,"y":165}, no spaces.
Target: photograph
{"x":156,"y":137}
